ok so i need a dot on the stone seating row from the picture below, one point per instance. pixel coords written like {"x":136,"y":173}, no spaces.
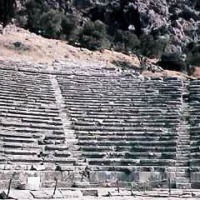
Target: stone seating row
{"x":29,"y":108}
{"x":130,"y":155}
{"x":24,"y":101}
{"x":30,"y":90}
{"x":131,"y":105}
{"x":117,"y":129}
{"x":131,"y":162}
{"x":117,"y":90}
{"x":140,"y":132}
{"x":135,"y":112}
{"x":139,"y":105}
{"x":121,"y":100}
{"x":102,"y":117}
{"x":131,"y":108}
{"x":152,"y":89}
{"x":120,"y":78}
{"x":131,"y":137}
{"x":27,"y":116}
{"x":96,"y":148}
{"x":124,"y":124}
{"x":29,"y":113}
{"x":131,"y":120}
{"x":127,"y":142}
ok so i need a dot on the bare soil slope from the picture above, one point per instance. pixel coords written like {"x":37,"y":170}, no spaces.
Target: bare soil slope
{"x":19,"y":44}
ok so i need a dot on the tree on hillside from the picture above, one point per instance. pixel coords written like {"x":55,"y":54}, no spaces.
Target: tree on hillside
{"x":35,"y":10}
{"x":7,"y":11}
{"x":94,"y":36}
{"x":50,"y":23}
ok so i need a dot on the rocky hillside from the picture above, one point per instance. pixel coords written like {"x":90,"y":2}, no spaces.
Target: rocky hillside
{"x":174,"y":20}
{"x":151,"y":28}
{"x":177,"y":20}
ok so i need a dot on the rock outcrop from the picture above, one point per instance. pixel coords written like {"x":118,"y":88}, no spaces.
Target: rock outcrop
{"x":170,"y":19}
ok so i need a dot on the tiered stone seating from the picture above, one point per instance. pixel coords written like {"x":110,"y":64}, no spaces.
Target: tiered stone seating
{"x":31,"y":131}
{"x":122,"y":121}
{"x":194,"y":99}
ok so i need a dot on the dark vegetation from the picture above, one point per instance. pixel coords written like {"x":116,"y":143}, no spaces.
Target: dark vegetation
{"x":114,"y":24}
{"x":171,"y":61}
{"x":7,"y":11}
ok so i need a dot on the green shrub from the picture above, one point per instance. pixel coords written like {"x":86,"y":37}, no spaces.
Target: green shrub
{"x":50,"y":24}
{"x":193,"y":53}
{"x":35,"y":10}
{"x":70,"y":28}
{"x":41,"y":18}
{"x":194,"y":59}
{"x":151,"y":47}
{"x":94,"y":36}
{"x":172,"y":61}
{"x":7,"y":11}
{"x":126,"y":41}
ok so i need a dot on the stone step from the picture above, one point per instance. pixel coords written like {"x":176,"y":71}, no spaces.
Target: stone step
{"x":35,"y":121}
{"x":59,"y":154}
{"x":129,"y":155}
{"x":122,"y":124}
{"x":134,"y":162}
{"x":135,"y":137}
{"x":183,"y":150}
{"x":18,"y":140}
{"x":182,"y":153}
{"x":182,"y":141}
{"x":55,"y":147}
{"x":182,"y":174}
{"x":18,"y":145}
{"x":29,"y":116}
{"x":183,"y":185}
{"x":182,"y":164}
{"x":182,"y":180}
{"x":13,"y":134}
{"x":138,"y":133}
{"x":183,"y":147}
{"x":38,"y":114}
{"x":60,"y":160}
{"x":20,"y":151}
{"x":195,"y":155}
{"x":182,"y":169}
{"x":182,"y":158}
{"x":24,"y":159}
{"x":133,"y":120}
{"x":126,"y":147}
{"x":31,"y":125}
{"x":185,"y":137}
{"x":153,"y":144}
